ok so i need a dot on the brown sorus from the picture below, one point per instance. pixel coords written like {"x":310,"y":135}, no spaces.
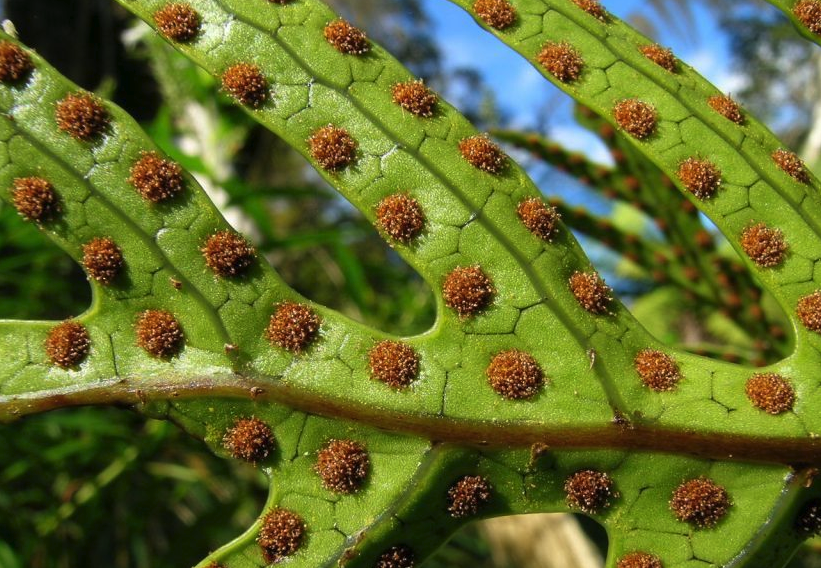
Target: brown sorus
{"x":332,"y":147}
{"x":561,"y":60}
{"x":415,"y":97}
{"x":401,"y":217}
{"x":589,"y":490}
{"x":657,"y":370}
{"x":702,"y":237}
{"x":764,"y":246}
{"x":592,"y":7}
{"x":342,"y":466}
{"x":159,"y":333}
{"x":249,"y":439}
{"x":279,"y":1}
{"x":482,"y":153}
{"x":770,"y":392}
{"x":177,"y":21}
{"x":227,"y":253}
{"x":102,"y":259}
{"x":15,"y":62}
{"x":726,"y":107}
{"x":280,"y":534}
{"x":82,"y":115}
{"x":590,"y":291}
{"x":809,"y":13}
{"x":155,"y":178}
{"x":498,"y":14}
{"x":540,"y":219}
{"x":346,"y":38}
{"x":394,"y":363}
{"x":467,"y":496}
{"x":636,"y":117}
{"x":293,"y":326}
{"x":809,"y":518}
{"x":34,"y":198}
{"x":639,"y":560}
{"x":399,"y":556}
{"x":246,"y":83}
{"x":808,"y":311}
{"x":67,"y":344}
{"x":661,"y":56}
{"x":700,"y":502}
{"x":467,"y":290}
{"x":701,"y":177}
{"x":791,"y":164}
{"x":514,"y":374}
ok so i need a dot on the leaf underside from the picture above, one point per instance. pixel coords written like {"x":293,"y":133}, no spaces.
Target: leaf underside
{"x":591,"y":413}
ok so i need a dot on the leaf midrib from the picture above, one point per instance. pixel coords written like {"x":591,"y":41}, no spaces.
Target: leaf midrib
{"x":475,"y":433}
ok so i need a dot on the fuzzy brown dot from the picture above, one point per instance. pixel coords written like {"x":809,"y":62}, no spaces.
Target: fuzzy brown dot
{"x":726,"y":107}
{"x":700,"y":502}
{"x":293,"y":327}
{"x":394,"y":363}
{"x":343,"y":466}
{"x":657,"y":370}
{"x":809,"y":311}
{"x":770,"y":392}
{"x":67,"y":344}
{"x":636,"y":117}
{"x":227,"y":253}
{"x":540,"y":219}
{"x":590,"y":291}
{"x":498,"y":14}
{"x":397,"y":557}
{"x":467,"y":290}
{"x":515,"y":374}
{"x":401,"y":217}
{"x":159,"y":333}
{"x":594,"y":8}
{"x":561,"y":60}
{"x":809,"y":13}
{"x":246,"y":83}
{"x":639,"y":560}
{"x":482,"y":153}
{"x":249,"y":439}
{"x":346,"y":38}
{"x":764,"y":246}
{"x":102,"y":259}
{"x":701,"y":177}
{"x":280,"y":534}
{"x":415,"y":97}
{"x":281,"y":2}
{"x":589,"y":490}
{"x":34,"y":198}
{"x":809,"y":518}
{"x":15,"y":62}
{"x":791,"y":164}
{"x":155,"y":178}
{"x":82,"y":115}
{"x":661,"y":56}
{"x":467,"y":496}
{"x":332,"y":147}
{"x":177,"y":21}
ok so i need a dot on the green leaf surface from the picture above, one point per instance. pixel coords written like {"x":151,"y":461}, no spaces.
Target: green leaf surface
{"x":591,"y":414}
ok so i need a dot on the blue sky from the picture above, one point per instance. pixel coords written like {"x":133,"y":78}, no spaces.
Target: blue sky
{"x":525,"y":91}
